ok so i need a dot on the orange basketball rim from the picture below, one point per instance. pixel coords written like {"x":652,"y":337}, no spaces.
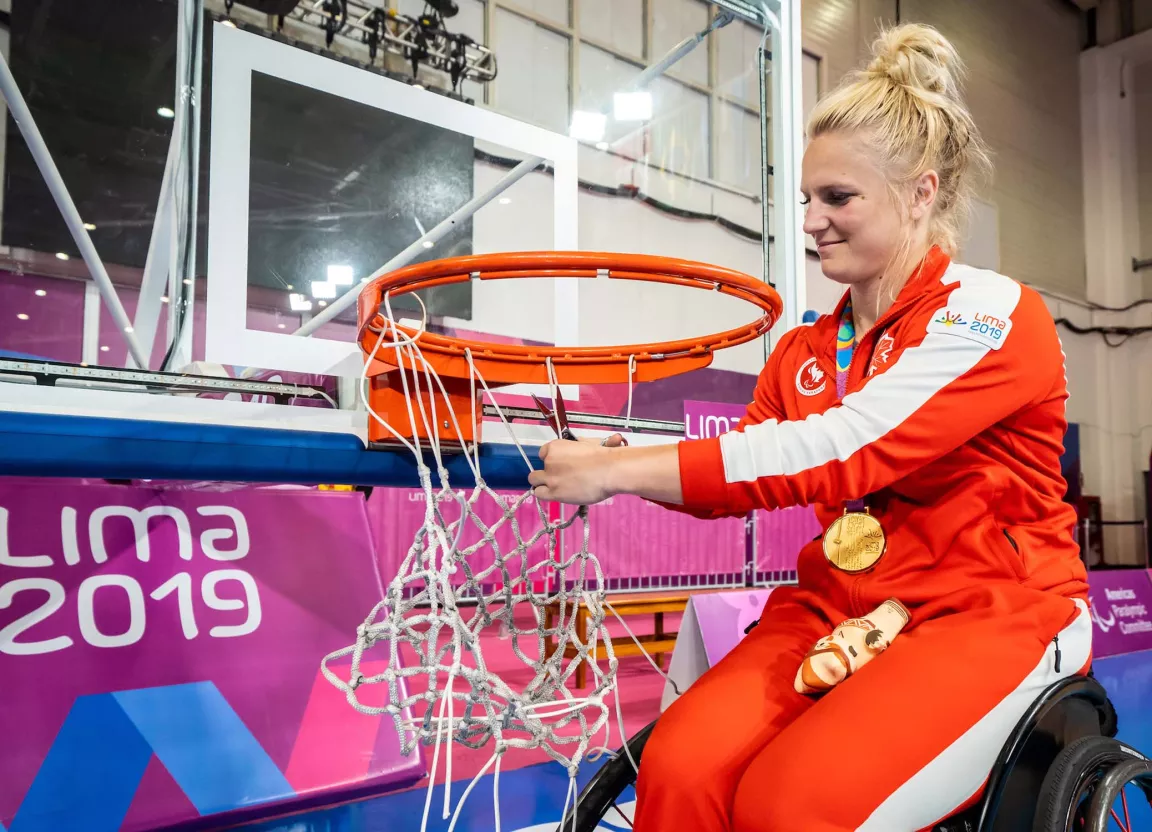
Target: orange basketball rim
{"x":503,"y":364}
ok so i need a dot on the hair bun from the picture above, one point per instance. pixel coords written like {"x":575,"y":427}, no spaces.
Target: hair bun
{"x":918,"y":58}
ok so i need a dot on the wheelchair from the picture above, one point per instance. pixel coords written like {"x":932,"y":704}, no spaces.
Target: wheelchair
{"x":1061,"y":770}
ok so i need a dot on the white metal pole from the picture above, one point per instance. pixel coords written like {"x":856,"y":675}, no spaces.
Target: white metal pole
{"x":185,"y":208}
{"x":788,"y":146}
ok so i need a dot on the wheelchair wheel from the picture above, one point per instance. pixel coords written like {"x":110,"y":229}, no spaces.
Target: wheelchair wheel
{"x":1074,"y":779}
{"x":1105,"y":815}
{"x":598,"y":800}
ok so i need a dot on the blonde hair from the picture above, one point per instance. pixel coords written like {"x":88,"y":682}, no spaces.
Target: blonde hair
{"x":907,"y":107}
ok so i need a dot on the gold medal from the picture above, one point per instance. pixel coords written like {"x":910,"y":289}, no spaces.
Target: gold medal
{"x":854,"y":541}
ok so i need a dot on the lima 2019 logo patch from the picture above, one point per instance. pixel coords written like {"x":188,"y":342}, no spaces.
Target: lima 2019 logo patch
{"x":981,"y":327}
{"x":810,"y":379}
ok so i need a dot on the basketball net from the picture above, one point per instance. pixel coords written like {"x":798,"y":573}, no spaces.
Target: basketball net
{"x":428,"y":626}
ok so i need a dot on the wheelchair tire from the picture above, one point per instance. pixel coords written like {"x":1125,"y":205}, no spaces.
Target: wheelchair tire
{"x":1073,"y":777}
{"x":599,"y":796}
{"x":1102,"y":811}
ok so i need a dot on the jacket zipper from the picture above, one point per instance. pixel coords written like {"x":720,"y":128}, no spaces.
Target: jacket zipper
{"x":856,"y":581}
{"x":855,"y":588}
{"x":1056,"y":641}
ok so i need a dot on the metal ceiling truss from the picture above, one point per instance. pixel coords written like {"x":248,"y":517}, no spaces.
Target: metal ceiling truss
{"x":420,"y":40}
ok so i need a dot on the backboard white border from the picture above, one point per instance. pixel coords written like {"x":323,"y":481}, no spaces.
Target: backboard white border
{"x":236,"y":55}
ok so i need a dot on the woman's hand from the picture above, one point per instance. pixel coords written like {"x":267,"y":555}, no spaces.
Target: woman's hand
{"x":578,"y":473}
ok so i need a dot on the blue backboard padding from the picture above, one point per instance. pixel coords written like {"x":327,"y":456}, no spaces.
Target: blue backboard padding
{"x":52,"y":445}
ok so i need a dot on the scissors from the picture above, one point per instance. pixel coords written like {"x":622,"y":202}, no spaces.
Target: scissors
{"x":559,"y":419}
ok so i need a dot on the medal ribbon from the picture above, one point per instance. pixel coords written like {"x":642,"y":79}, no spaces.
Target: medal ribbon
{"x":845,"y":348}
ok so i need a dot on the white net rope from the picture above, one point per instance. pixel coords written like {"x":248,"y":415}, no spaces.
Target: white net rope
{"x":428,"y":626}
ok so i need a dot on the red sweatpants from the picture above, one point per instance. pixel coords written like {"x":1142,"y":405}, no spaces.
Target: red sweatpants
{"x":903,"y":743}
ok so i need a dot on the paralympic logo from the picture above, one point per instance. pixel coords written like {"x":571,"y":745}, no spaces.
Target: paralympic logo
{"x":1105,"y":624}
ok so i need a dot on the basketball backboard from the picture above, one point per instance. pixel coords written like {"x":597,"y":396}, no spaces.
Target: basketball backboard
{"x":320,"y":166}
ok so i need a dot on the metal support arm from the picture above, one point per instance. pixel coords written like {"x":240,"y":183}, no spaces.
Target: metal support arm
{"x":18,"y":108}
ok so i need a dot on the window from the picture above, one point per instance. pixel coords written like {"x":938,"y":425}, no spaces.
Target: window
{"x":679,"y":128}
{"x":554,"y":10}
{"x":738,"y":147}
{"x":737,"y":44}
{"x":672,"y":21}
{"x":601,"y":75}
{"x":532,"y":82}
{"x":705,"y":122}
{"x":615,"y":23}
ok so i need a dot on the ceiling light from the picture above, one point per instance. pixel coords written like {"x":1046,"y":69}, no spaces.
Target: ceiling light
{"x":322,"y":303}
{"x":88,"y":226}
{"x":341,"y":275}
{"x":163,"y":298}
{"x":323,"y":289}
{"x":417,"y":86}
{"x":299,"y":303}
{"x":62,"y":256}
{"x":187,"y":281}
{"x":428,"y":244}
{"x":40,"y":293}
{"x":289,"y":287}
{"x":228,"y":23}
{"x":22,"y":316}
{"x":104,"y":349}
{"x":632,"y":106}
{"x":587,"y":126}
{"x":280,"y":326}
{"x":129,"y":329}
{"x":504,"y":200}
{"x":165,"y":112}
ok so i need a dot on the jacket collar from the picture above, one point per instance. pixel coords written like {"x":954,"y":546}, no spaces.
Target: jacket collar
{"x":822,"y":334}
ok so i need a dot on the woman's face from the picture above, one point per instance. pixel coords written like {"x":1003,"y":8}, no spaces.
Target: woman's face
{"x":851,"y":212}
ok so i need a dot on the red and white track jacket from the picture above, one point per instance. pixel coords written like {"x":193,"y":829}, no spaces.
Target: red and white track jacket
{"x":952,"y":427}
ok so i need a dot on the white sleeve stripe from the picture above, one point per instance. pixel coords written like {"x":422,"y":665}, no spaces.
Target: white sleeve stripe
{"x":788,"y":448}
{"x":774,"y":448}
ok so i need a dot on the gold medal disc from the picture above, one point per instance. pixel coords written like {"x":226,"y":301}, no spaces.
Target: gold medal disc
{"x":854,"y":542}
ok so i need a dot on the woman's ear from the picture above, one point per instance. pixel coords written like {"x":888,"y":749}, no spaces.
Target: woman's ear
{"x":927,"y":186}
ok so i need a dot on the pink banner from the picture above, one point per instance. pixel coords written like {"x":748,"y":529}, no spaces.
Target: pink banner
{"x":1121,"y":606}
{"x":634,"y":538}
{"x":781,"y":534}
{"x":160,"y":653}
{"x":706,"y":420}
{"x":724,"y":616}
{"x":631,"y":537}
{"x":397,"y":514}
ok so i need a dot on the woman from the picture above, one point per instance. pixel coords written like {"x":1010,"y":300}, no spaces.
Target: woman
{"x":929,"y":408}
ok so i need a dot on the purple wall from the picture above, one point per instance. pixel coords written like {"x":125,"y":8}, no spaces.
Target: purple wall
{"x":633,"y":539}
{"x":54,"y":328}
{"x":55,"y":325}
